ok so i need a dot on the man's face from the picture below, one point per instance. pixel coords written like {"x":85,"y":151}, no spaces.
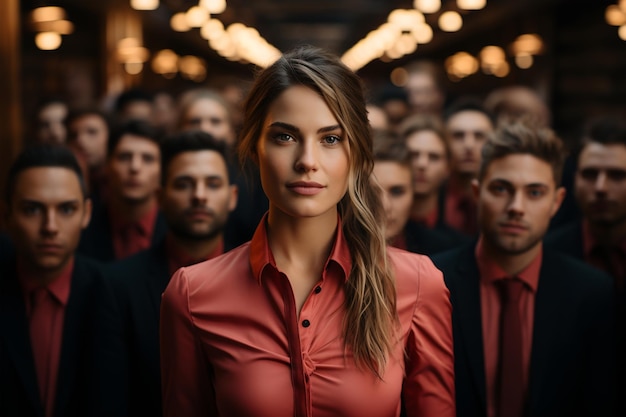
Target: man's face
{"x":197,"y":198}
{"x":467,"y":132}
{"x":88,"y":135}
{"x":600,"y":184}
{"x":516,"y":200}
{"x":395,"y":181}
{"x":46,"y":215}
{"x":429,"y":161}
{"x":134,"y":169}
{"x":424,"y":95}
{"x":51,"y":123}
{"x":209,"y":116}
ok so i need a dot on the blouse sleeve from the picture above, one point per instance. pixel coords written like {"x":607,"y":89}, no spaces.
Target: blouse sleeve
{"x":186,"y":382}
{"x":429,"y":386}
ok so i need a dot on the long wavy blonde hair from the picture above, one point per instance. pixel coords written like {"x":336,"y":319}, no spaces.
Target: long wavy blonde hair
{"x":371,"y":320}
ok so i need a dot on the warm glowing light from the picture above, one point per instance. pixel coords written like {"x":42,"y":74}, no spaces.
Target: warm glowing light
{"x":529,"y":43}
{"x":471,"y":4}
{"x":212,"y":29}
{"x":165,"y":62}
{"x":524,"y":61}
{"x":47,"y":14}
{"x":144,"y":5}
{"x":621,"y":32}
{"x":192,"y":68}
{"x":423,"y":33}
{"x":196,"y":16}
{"x":427,"y":6}
{"x":461,"y":65}
{"x":614,"y":15}
{"x":213,"y":6}
{"x":178,"y":22}
{"x":405,"y":19}
{"x":399,"y":77}
{"x":450,"y":21}
{"x":133,"y":68}
{"x":502,"y":70}
{"x":622,"y":5}
{"x":492,"y":54}
{"x":62,"y":27}
{"x":48,"y":41}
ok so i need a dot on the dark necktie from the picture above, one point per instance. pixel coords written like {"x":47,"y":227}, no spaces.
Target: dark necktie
{"x":511,"y":388}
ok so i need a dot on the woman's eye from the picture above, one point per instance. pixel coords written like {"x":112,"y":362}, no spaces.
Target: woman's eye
{"x":332,"y":139}
{"x":283,"y":137}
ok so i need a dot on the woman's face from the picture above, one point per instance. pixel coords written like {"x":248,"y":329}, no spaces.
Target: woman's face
{"x":303,"y":155}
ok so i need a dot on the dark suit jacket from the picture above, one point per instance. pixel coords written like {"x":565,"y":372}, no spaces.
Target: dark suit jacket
{"x":140,"y":281}
{"x":573,"y":348}
{"x":567,"y":239}
{"x":96,"y":240}
{"x":421,"y":239}
{"x":92,"y":369}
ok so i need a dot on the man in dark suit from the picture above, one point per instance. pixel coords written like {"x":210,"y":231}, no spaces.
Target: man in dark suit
{"x":129,"y":220}
{"x":393,"y":172}
{"x":61,"y":345}
{"x":600,"y":188}
{"x":533,"y":329}
{"x":196,"y":198}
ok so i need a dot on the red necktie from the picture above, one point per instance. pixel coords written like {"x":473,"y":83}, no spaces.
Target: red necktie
{"x":41,"y":337}
{"x":511,"y":400}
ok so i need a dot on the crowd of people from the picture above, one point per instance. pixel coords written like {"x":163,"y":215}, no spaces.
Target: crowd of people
{"x":313,"y":251}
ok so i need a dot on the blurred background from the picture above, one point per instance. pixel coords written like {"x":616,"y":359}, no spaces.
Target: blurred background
{"x":572,"y":52}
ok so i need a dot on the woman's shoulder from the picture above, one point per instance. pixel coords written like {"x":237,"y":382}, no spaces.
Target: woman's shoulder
{"x":221,"y":268}
{"x":414,"y":271}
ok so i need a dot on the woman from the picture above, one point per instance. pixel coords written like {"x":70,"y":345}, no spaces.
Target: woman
{"x":314,"y":316}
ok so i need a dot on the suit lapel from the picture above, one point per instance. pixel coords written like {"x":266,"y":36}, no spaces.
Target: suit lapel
{"x":73,"y":334}
{"x":16,"y":338}
{"x":468,"y":317}
{"x":548,"y":316}
{"x":158,"y":277}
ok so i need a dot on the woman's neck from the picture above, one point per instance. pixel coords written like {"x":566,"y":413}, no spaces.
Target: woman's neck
{"x":301,"y":242}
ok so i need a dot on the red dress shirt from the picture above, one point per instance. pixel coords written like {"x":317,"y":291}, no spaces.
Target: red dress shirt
{"x":233,"y":345}
{"x":430,"y":220}
{"x":177,"y":257}
{"x":490,"y":313}
{"x":611,"y":259}
{"x":130,"y":238}
{"x":460,"y":210}
{"x":52,"y":317}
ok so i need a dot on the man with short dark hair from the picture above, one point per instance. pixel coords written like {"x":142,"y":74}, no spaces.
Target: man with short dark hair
{"x":533,"y":328}
{"x":61,"y":345}
{"x":467,"y":125}
{"x":129,"y":221}
{"x":196,"y":198}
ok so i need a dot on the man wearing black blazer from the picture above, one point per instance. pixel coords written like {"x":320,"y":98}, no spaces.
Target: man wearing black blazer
{"x":128,"y":220}
{"x":61,"y":345}
{"x":196,"y":198}
{"x":564,"y":358}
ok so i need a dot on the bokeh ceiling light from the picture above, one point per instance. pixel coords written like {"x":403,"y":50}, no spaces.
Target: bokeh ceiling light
{"x":524,"y":61}
{"x":621,"y":32}
{"x":144,"y":4}
{"x":178,"y":22}
{"x":196,"y":16}
{"x":62,"y":27}
{"x":427,"y":6}
{"x":165,"y":63}
{"x":48,"y":41}
{"x":528,"y":43}
{"x":471,"y":4}
{"x":461,"y":65}
{"x":450,"y":21}
{"x":405,"y":19}
{"x":47,"y":14}
{"x":213,"y":6}
{"x":399,"y":77}
{"x":614,"y":15}
{"x":212,"y":29}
